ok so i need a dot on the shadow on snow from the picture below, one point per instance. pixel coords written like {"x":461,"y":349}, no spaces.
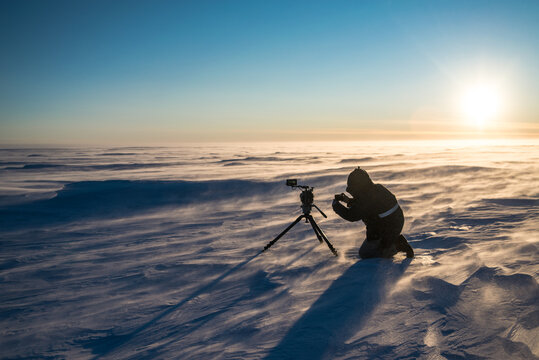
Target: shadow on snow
{"x":340,"y":311}
{"x":111,"y":343}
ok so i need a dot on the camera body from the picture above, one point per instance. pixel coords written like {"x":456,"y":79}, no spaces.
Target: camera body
{"x":307,"y":197}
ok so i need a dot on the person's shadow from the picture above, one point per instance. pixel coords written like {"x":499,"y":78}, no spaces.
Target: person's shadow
{"x":340,"y":311}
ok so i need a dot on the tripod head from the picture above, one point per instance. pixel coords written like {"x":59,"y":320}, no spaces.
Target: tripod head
{"x":306,"y":196}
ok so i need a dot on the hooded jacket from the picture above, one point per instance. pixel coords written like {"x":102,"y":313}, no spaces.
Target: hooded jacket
{"x":374,"y":202}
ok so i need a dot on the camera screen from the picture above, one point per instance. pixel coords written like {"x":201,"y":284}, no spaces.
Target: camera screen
{"x":291,"y":182}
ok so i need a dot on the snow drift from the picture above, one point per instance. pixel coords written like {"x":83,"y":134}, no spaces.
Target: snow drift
{"x":155,"y":253}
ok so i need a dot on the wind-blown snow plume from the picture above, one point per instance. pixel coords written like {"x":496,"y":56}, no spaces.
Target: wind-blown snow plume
{"x":154,"y":252}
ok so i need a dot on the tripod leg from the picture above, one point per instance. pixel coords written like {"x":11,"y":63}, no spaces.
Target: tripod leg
{"x":318,"y":234}
{"x":284,"y":232}
{"x":319,"y":231}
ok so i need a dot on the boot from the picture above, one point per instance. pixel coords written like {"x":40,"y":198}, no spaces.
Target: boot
{"x":402,"y":245}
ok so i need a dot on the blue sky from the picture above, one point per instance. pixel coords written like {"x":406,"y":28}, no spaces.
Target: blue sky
{"x":159,"y":71}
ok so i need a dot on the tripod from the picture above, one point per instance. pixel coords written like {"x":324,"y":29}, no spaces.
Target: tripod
{"x":307,"y":202}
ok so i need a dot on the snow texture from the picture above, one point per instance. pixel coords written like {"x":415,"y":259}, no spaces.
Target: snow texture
{"x":143,"y":253}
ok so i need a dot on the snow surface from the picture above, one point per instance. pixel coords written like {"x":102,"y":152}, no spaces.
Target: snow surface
{"x":149,"y":253}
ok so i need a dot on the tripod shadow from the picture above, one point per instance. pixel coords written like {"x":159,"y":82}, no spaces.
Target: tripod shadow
{"x":107,"y":345}
{"x":340,"y":311}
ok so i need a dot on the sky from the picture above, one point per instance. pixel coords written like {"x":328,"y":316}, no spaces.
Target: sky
{"x":156,"y":72}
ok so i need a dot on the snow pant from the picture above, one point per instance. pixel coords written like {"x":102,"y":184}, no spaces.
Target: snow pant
{"x":384,"y":239}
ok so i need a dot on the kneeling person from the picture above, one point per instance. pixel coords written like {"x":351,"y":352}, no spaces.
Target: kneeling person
{"x":378,"y":208}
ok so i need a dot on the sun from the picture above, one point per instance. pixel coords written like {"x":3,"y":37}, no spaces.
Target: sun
{"x":480,"y":104}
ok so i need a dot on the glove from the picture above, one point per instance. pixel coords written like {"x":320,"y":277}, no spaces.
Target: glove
{"x":342,"y":197}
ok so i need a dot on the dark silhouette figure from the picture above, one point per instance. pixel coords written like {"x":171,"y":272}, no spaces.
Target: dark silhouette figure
{"x":378,"y":208}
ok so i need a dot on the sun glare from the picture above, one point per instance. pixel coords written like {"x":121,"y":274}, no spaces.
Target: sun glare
{"x":480,"y":104}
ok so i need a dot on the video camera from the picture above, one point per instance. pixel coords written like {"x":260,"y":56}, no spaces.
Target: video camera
{"x":306,"y":196}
